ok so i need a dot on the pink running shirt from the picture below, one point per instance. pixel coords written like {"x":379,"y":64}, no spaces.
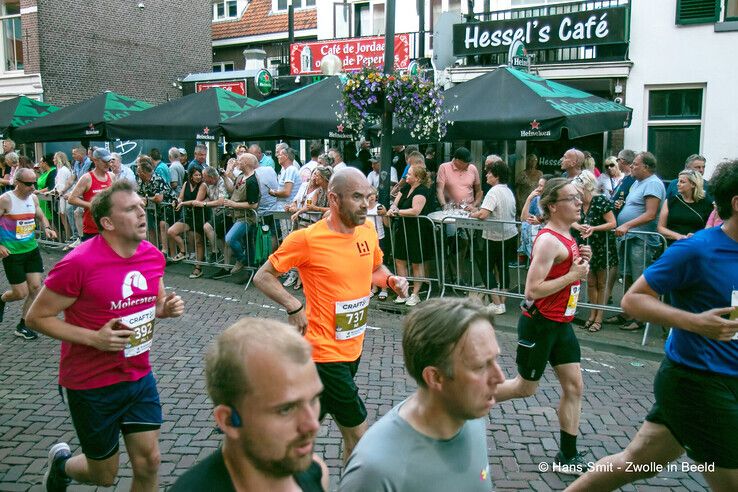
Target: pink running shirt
{"x":107,"y":286}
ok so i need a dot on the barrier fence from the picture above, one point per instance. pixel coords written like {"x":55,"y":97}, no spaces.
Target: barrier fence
{"x":444,"y":250}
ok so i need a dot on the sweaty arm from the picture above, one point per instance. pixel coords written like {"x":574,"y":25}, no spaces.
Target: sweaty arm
{"x":75,"y":197}
{"x":546,"y":251}
{"x":267,"y":281}
{"x":643,"y":303}
{"x":43,"y":317}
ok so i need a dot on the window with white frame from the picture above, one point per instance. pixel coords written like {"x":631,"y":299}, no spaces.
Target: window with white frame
{"x":674,"y":126}
{"x":12,"y":34}
{"x":731,"y":10}
{"x":228,"y":9}
{"x":223,"y":67}
{"x":281,"y":5}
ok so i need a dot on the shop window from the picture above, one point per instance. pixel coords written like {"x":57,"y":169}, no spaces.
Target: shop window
{"x":12,"y":33}
{"x":697,"y":11}
{"x":223,"y":67}
{"x":674,"y":127}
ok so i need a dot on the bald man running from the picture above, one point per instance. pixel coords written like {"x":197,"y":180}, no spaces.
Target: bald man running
{"x":338,"y":259}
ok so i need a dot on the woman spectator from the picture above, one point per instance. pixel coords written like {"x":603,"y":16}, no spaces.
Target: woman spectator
{"x":594,"y":226}
{"x":155,"y":192}
{"x":412,"y":238}
{"x":325,"y":160}
{"x":528,"y":180}
{"x":311,"y":202}
{"x":501,"y":245}
{"x":686,"y":212}
{"x":714,"y":220}
{"x":608,"y":181}
{"x":45,"y":183}
{"x":63,"y":185}
{"x":530,"y":216}
{"x":590,"y":164}
{"x":192,"y":219}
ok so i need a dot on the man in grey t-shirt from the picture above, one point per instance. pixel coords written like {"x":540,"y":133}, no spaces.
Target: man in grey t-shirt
{"x":436,"y":439}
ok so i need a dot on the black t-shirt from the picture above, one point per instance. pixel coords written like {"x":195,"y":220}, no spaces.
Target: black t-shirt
{"x":252,"y":189}
{"x":212,"y":474}
{"x":685,"y":217}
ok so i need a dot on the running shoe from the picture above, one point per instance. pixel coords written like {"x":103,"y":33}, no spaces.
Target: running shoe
{"x":497,"y":309}
{"x":291,"y":279}
{"x":575,"y":465}
{"x":400,"y":300}
{"x":54,"y":479}
{"x":72,"y":244}
{"x":25,"y":332}
{"x":222,"y":273}
{"x":383,"y":295}
{"x":2,"y":309}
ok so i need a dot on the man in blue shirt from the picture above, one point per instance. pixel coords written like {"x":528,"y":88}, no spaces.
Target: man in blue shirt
{"x":264,"y":160}
{"x":696,"y":387}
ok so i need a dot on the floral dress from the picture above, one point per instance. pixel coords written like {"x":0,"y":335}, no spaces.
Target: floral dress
{"x":604,"y":253}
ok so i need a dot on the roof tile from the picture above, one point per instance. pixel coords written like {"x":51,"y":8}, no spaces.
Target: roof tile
{"x":258,"y":19}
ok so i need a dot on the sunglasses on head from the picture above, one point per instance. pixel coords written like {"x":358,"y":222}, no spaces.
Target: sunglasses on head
{"x":27,"y":183}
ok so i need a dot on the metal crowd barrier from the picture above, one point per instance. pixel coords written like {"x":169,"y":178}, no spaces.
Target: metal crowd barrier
{"x":409,"y":242}
{"x":50,"y":204}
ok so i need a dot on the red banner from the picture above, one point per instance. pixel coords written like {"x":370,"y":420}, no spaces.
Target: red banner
{"x":354,"y":53}
{"x":236,"y":86}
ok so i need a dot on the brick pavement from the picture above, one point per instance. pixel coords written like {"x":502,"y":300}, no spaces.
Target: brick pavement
{"x":521,"y":433}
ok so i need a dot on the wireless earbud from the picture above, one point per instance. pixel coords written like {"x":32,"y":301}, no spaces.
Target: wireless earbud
{"x":235,"y":418}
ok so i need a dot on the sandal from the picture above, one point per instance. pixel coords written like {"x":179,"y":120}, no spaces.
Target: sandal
{"x":618,"y":319}
{"x":633,"y":326}
{"x":196,"y":273}
{"x":587,"y":325}
{"x":179,"y":257}
{"x":595,"y":327}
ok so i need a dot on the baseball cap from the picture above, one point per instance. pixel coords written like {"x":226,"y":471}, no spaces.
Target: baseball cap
{"x":182,"y":151}
{"x":102,"y":154}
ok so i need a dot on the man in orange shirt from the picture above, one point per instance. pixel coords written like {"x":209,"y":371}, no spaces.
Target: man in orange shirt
{"x":338,"y":259}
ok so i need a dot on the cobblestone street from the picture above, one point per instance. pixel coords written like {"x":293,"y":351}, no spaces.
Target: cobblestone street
{"x":522,"y":434}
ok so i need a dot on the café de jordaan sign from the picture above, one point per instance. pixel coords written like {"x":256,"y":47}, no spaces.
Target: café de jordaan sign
{"x":602,"y":26}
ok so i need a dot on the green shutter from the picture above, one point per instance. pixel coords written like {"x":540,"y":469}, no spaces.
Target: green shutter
{"x":697,"y":11}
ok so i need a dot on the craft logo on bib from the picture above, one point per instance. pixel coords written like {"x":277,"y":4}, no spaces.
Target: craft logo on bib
{"x":142,"y":325}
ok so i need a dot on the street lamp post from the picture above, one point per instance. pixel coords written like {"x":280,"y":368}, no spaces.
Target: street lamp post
{"x":386,"y":142}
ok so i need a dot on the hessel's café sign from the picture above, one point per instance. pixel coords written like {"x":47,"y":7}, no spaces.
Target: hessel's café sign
{"x":602,"y":26}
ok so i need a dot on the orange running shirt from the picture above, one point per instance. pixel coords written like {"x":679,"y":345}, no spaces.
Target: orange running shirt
{"x":336,"y":272}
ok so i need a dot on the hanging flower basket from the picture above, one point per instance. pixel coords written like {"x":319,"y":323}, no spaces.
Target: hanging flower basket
{"x":415,"y":103}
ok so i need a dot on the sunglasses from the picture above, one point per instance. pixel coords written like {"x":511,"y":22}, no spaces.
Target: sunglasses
{"x":610,"y":165}
{"x":28,"y":183}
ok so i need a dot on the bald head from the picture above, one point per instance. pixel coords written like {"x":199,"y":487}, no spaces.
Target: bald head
{"x":247,"y":160}
{"x":346,"y":180}
{"x":25,"y":174}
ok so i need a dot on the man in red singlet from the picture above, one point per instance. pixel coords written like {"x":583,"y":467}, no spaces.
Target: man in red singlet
{"x":545,"y":334}
{"x":88,"y":186}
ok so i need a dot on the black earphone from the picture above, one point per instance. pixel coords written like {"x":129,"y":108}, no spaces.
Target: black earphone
{"x":235,"y":418}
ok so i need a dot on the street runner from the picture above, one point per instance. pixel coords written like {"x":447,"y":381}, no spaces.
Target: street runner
{"x":110,"y":289}
{"x":19,"y":212}
{"x":88,"y":186}
{"x":545,"y":334}
{"x":266,"y":393}
{"x":338,"y":259}
{"x":696,"y":387}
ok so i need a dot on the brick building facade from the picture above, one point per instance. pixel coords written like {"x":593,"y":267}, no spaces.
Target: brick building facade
{"x":70,"y":51}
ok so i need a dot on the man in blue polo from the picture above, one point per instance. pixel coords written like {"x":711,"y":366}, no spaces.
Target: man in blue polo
{"x":696,"y":387}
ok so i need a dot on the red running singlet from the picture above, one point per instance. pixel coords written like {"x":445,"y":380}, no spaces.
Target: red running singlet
{"x":88,"y":223}
{"x":560,"y":306}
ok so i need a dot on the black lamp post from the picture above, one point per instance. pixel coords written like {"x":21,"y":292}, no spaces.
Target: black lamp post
{"x":386,"y":142}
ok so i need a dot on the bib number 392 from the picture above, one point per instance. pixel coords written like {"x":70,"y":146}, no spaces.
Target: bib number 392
{"x":142,"y":326}
{"x":351,"y":318}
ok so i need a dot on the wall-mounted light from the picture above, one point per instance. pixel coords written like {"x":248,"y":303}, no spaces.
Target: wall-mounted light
{"x":141,"y":5}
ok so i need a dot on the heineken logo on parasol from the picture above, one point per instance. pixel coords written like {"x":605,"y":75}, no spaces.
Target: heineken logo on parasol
{"x":590,"y":27}
{"x":205,"y":134}
{"x":535,"y":130}
{"x":91,"y":130}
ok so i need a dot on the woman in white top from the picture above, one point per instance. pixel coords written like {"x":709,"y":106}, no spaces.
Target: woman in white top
{"x":62,"y":184}
{"x":502,"y":243}
{"x":609,"y":180}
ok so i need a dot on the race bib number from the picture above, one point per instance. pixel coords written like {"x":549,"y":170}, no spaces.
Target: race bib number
{"x":24,"y":228}
{"x":351,"y":318}
{"x":142,"y":325}
{"x":571,"y":305}
{"x":734,"y":312}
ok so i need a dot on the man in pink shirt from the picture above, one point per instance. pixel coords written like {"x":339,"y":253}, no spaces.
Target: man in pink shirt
{"x":457,"y":182}
{"x":111,"y":291}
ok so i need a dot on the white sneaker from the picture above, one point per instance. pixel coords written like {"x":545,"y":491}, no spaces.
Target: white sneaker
{"x":501,"y":308}
{"x":401,"y":300}
{"x":495,"y":308}
{"x":412,"y":300}
{"x":75,"y":243}
{"x":291,"y":278}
